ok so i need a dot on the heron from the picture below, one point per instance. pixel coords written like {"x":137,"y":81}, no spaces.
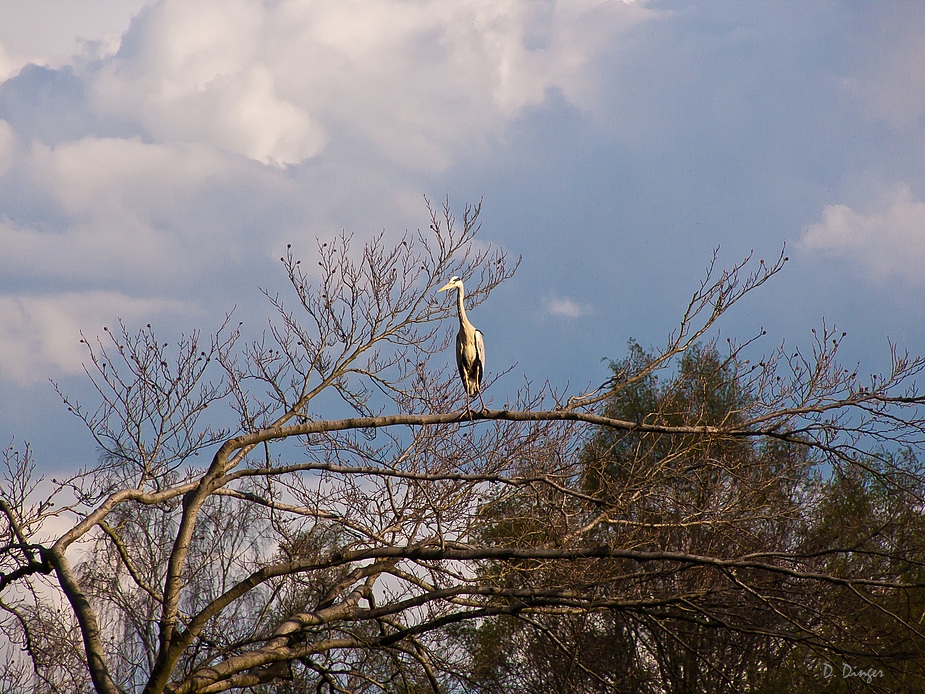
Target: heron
{"x":470,"y":346}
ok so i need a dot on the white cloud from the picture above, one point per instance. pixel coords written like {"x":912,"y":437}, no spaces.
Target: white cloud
{"x":421,"y":81}
{"x":565,"y":308}
{"x":93,"y":172}
{"x":192,"y":72}
{"x":9,"y":64}
{"x":133,"y":214}
{"x":7,"y":147}
{"x":40,"y":335}
{"x":888,"y":243}
{"x":245,"y":116}
{"x":52,"y":32}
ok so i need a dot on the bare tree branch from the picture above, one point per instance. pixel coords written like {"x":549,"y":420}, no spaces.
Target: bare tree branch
{"x":344,"y":552}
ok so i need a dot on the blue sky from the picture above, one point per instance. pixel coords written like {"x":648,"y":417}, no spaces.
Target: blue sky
{"x":155,"y":158}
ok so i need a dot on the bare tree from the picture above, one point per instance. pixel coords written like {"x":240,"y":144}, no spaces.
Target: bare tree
{"x":308,"y":550}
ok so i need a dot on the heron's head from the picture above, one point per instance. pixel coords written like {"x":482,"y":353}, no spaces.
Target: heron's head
{"x":454,"y":283}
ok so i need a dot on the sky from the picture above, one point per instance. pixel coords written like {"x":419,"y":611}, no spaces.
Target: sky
{"x":156,"y":157}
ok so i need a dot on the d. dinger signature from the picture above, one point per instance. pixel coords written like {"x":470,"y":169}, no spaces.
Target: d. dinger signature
{"x":868,"y":675}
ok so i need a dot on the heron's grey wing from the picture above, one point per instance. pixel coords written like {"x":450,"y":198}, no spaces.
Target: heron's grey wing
{"x":460,"y":363}
{"x":480,"y":353}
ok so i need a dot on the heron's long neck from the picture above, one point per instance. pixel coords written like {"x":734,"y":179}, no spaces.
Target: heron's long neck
{"x":461,"y":309}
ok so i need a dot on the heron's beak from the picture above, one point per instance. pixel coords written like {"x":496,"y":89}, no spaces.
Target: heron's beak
{"x":443,"y":289}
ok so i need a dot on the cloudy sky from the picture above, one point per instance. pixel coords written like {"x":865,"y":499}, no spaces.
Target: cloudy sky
{"x":156,"y":157}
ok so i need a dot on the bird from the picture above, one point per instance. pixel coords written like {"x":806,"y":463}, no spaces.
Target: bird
{"x":470,"y":346}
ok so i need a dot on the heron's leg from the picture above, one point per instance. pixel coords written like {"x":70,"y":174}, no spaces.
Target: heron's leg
{"x":484,"y":409}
